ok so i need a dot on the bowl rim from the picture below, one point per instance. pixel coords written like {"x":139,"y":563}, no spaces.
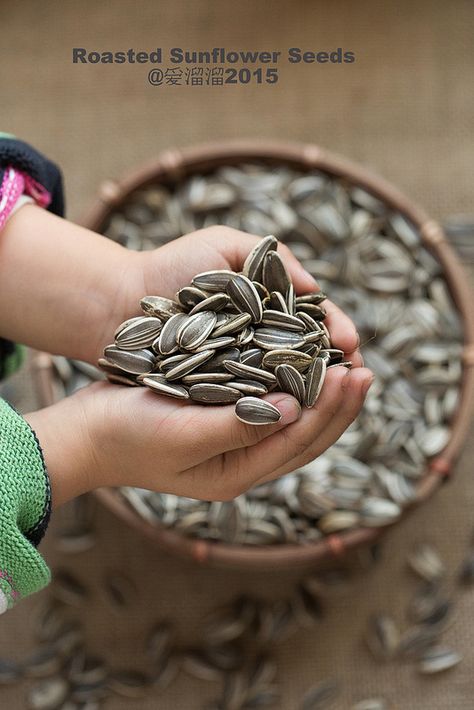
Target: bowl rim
{"x":170,"y":167}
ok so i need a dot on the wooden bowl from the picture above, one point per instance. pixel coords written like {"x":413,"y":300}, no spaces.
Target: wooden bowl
{"x":170,"y":168}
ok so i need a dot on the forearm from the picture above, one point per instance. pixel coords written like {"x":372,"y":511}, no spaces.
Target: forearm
{"x":61,"y":285}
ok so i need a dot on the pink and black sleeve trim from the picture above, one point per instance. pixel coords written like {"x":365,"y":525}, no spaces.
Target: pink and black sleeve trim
{"x":25,"y":170}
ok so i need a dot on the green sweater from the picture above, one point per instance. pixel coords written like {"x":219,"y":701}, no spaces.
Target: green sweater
{"x":24,"y":508}
{"x":25,"y":496}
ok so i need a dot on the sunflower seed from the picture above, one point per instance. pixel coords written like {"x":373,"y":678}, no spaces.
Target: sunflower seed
{"x":250,"y":387}
{"x":213,"y":394}
{"x":245,"y":297}
{"x":129,"y":684}
{"x":253,"y":265}
{"x":275,"y":275}
{"x":277,"y":319}
{"x":214,"y":281}
{"x":291,"y":381}
{"x":438,"y":659}
{"x":210,"y":377}
{"x":162,"y":308}
{"x":190,"y":296}
{"x":48,"y":695}
{"x":137,"y":333}
{"x":249,"y":372}
{"x":216,"y":363}
{"x":232,"y":325}
{"x":215,"y":343}
{"x":44,"y":662}
{"x":189,"y":364}
{"x":382,"y":637}
{"x":372,"y":704}
{"x":194,"y":330}
{"x":215,"y":303}
{"x":315,"y":377}
{"x":135,"y":362}
{"x":276,"y":302}
{"x":10,"y":672}
{"x":277,"y":339}
{"x":252,"y":357}
{"x":320,"y":696}
{"x":252,"y":410}
{"x":155,"y":383}
{"x":300,"y":361}
{"x":426,"y":563}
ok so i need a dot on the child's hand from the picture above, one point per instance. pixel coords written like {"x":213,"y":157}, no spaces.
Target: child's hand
{"x":113,"y":435}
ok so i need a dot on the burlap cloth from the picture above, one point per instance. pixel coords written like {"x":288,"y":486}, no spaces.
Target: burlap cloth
{"x":405,"y":107}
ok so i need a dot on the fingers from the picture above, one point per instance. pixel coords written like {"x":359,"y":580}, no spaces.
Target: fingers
{"x":307,"y":438}
{"x":343,"y":331}
{"x":355,"y":389}
{"x":212,"y":431}
{"x":242,"y":468}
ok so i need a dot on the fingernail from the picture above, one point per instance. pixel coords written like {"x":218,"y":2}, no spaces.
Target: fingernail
{"x":361,"y":358}
{"x":358,"y":339}
{"x":290,"y":410}
{"x":367,"y":384}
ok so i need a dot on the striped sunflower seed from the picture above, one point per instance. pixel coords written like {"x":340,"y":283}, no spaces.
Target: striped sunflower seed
{"x":188,"y":364}
{"x":216,"y":302}
{"x":276,"y":339}
{"x":291,"y":381}
{"x":216,"y":363}
{"x":252,"y":410}
{"x":300,"y":361}
{"x":438,"y":659}
{"x":245,"y":297}
{"x":137,"y":333}
{"x":162,"y":308}
{"x":194,"y":330}
{"x":276,"y":302}
{"x":190,"y":296}
{"x":252,"y":357}
{"x":169,"y":389}
{"x":278,"y":319}
{"x":197,"y":378}
{"x":135,"y":362}
{"x":209,"y":393}
{"x":167,"y":341}
{"x":249,"y":372}
{"x":275,"y":275}
{"x":314,"y":381}
{"x":213,"y":281}
{"x":232,"y":325}
{"x":253,"y":264}
{"x":216,"y":343}
{"x":250,"y":387}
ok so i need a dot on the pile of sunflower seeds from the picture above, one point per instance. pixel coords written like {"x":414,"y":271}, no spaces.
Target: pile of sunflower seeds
{"x":229,"y":338}
{"x":373,"y":263}
{"x":430,"y":613}
{"x":236,"y":642}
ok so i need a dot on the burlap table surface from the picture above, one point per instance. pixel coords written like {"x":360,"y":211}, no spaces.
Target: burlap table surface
{"x":405,"y":108}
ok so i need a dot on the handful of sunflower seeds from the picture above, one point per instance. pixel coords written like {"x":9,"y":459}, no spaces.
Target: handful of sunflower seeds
{"x":229,"y":338}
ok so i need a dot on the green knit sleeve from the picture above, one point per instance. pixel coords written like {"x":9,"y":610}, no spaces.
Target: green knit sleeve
{"x":25,"y":501}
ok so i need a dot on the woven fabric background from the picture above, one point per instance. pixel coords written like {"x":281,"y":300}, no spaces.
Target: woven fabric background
{"x":404,"y":108}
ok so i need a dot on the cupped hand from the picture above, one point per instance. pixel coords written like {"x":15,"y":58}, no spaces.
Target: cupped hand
{"x":132,"y":436}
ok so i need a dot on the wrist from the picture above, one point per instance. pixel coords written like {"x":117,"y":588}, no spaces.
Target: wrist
{"x":69,"y":434}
